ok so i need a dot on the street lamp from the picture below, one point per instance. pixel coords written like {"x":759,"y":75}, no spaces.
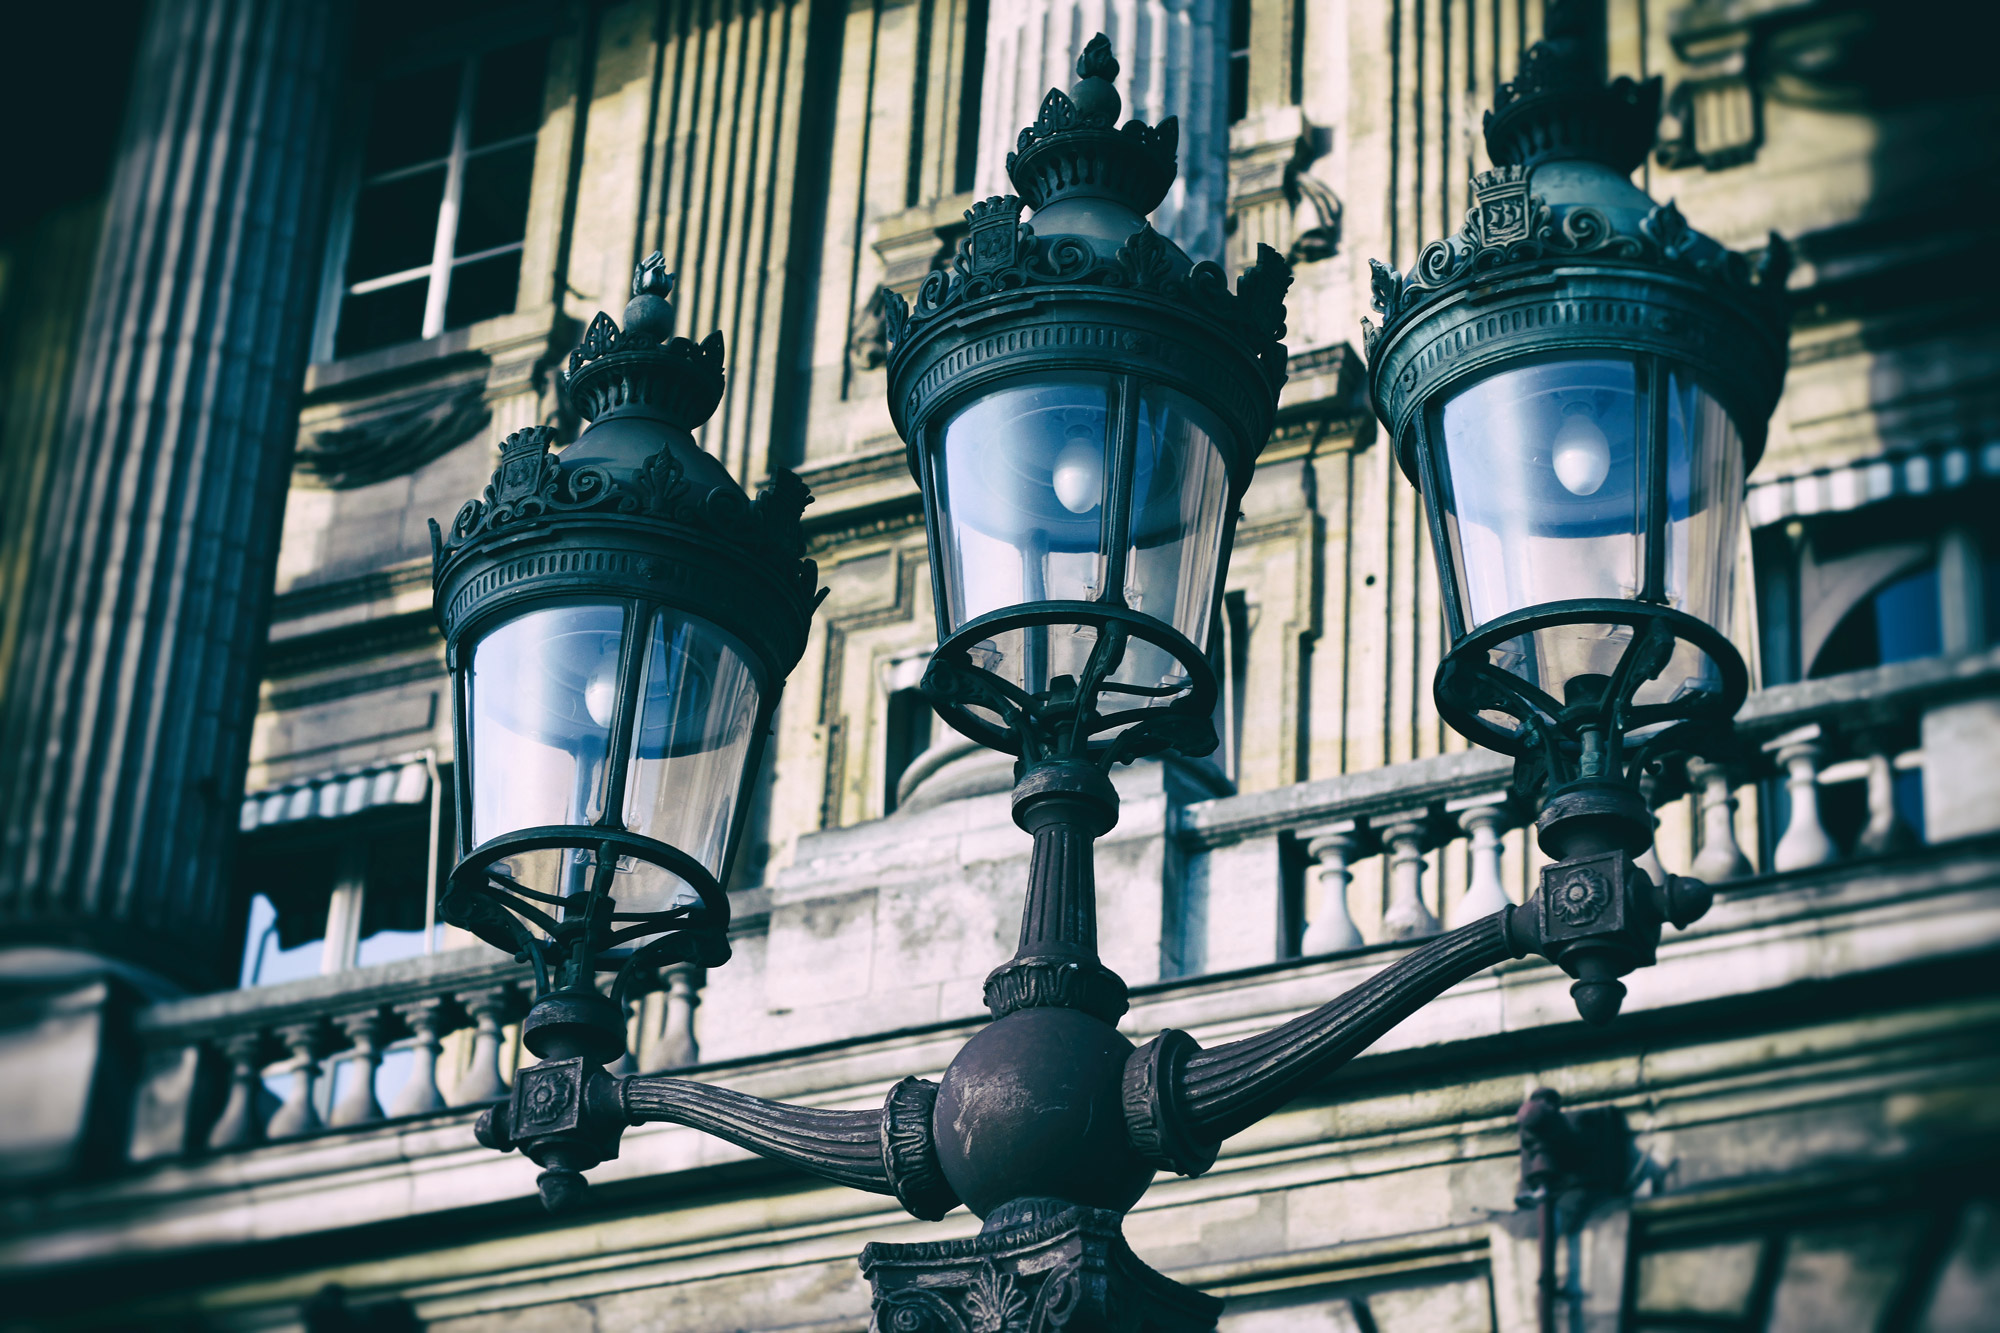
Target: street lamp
{"x":1083,"y":407}
{"x":1578,"y":383}
{"x":619,"y":619}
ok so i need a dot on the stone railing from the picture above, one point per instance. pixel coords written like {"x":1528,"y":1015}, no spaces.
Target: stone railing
{"x":357,"y":1048}
{"x":1866,"y":764}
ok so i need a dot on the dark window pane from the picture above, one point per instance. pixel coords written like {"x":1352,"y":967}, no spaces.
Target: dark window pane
{"x":493,"y":207}
{"x":409,"y":119}
{"x":507,"y":100}
{"x":395,"y":226}
{"x":482,"y":290}
{"x":377,"y":319}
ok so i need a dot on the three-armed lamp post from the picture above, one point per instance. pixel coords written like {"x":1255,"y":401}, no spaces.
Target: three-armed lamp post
{"x":1083,"y":407}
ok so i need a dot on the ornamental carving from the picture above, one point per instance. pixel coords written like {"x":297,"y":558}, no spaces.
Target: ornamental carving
{"x":531,"y":483}
{"x":1000,"y":254}
{"x":1508,"y":227}
{"x":394,"y":442}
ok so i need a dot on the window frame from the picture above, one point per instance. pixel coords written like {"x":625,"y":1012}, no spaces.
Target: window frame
{"x":464,"y":48}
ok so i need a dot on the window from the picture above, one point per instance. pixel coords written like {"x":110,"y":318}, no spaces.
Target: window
{"x":441,"y":206}
{"x":331,"y":872}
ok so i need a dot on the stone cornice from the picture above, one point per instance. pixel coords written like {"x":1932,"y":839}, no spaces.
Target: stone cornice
{"x":1808,"y":930}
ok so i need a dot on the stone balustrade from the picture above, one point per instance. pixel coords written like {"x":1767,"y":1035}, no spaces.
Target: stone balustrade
{"x":1815,"y":773}
{"x":358,"y":1048}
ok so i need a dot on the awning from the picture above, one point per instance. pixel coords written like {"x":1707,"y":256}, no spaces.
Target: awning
{"x":1833,"y":490}
{"x":403,"y":780}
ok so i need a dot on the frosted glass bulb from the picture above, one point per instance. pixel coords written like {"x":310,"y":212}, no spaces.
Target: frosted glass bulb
{"x":600,"y":696}
{"x":1079,"y":478}
{"x":1582,"y":454}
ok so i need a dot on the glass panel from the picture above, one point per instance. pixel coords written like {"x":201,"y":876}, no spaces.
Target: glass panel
{"x":382,"y":318}
{"x":540,"y":696}
{"x":1540,"y":485}
{"x":493,"y":208}
{"x":1020,"y":478}
{"x":1704,"y":503}
{"x":482,"y":289}
{"x":410,"y":119}
{"x":689,"y":752}
{"x":507,"y":100}
{"x":1179,"y":490}
{"x":395,"y":225}
{"x":1539,"y":480}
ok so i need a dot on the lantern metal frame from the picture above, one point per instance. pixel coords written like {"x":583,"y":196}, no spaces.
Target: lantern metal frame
{"x":1049,"y":1123}
{"x":1017,"y":307}
{"x":1543,"y":273}
{"x":672,"y":535}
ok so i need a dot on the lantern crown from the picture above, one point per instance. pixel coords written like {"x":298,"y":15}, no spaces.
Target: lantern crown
{"x":1559,"y":105}
{"x":1560,"y":249}
{"x":642,"y":367}
{"x":1075,"y":148}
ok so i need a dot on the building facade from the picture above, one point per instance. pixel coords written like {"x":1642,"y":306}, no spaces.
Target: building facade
{"x":343,"y":253}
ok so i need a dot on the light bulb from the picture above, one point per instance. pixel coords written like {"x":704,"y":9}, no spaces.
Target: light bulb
{"x":1582,"y":453}
{"x":600,"y":696}
{"x":1079,"y":477}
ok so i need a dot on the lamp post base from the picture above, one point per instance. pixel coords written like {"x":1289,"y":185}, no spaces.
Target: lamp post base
{"x":1069,"y":1270}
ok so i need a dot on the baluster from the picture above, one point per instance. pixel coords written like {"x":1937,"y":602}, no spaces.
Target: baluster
{"x":358,"y":1104}
{"x":678,"y":1048}
{"x":1886,"y":832}
{"x":1407,"y":917}
{"x":419,"y":1093}
{"x":1720,"y":858}
{"x":241,"y":1123}
{"x":1484,"y":821}
{"x":482,"y":1081}
{"x":1649,"y":860}
{"x":298,"y":1115}
{"x":635,"y":1026}
{"x":1331,"y":927}
{"x":1804,"y":843}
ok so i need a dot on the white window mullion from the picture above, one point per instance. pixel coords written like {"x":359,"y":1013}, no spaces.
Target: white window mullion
{"x":454,"y":183}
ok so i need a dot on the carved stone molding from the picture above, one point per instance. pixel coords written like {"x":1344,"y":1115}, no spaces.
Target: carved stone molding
{"x":1273,"y":200}
{"x":397,"y":439}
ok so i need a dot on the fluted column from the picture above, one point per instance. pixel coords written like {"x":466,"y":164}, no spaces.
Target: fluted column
{"x":1174,"y":61}
{"x":125,"y":725}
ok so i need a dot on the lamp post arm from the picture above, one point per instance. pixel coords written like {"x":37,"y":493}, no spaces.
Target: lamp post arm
{"x":887,"y":1150}
{"x":1181,"y":1102}
{"x":842,"y":1146}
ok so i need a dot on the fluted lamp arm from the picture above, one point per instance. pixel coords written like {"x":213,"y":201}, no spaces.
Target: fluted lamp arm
{"x":567,"y":1116}
{"x":1181,"y":1101}
{"x":1596,"y":917}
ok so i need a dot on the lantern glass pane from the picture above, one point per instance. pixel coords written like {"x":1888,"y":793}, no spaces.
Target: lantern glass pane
{"x":1180,"y":489}
{"x":1704,"y":503}
{"x":1020,"y":493}
{"x":540,"y":699}
{"x":697,"y":717}
{"x":1540,"y":486}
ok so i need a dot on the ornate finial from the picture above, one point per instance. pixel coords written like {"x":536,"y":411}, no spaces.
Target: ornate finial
{"x":1558,"y":104}
{"x":1096,"y":99}
{"x":1097,"y":60}
{"x":649,"y":316}
{"x":1075,"y":145}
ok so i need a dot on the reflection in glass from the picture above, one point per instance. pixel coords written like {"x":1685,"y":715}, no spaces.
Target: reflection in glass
{"x":1022,"y":478}
{"x":1179,"y":489}
{"x":1541,"y":484}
